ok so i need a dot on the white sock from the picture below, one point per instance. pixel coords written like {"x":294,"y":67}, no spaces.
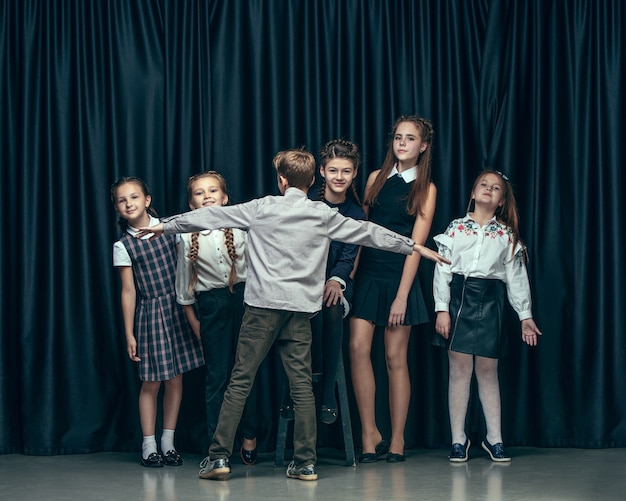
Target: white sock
{"x":167,"y":441}
{"x":148,"y":446}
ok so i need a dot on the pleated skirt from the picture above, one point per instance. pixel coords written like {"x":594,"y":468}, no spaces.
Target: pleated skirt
{"x":373,"y":298}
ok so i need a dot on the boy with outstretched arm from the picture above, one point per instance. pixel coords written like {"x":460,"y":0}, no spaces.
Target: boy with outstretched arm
{"x":288,"y":241}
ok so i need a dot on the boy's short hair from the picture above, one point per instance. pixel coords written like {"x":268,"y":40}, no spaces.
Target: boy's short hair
{"x":297,"y":166}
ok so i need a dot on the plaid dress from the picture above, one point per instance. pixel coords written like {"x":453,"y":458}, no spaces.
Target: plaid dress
{"x":166,"y":344}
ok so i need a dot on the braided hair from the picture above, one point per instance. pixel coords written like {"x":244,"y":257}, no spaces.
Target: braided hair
{"x":121,"y":222}
{"x":340,"y":148}
{"x":228,"y":235}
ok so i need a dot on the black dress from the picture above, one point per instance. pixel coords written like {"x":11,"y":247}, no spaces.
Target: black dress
{"x":379,"y":272}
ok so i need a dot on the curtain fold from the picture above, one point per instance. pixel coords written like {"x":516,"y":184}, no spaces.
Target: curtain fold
{"x":91,"y":91}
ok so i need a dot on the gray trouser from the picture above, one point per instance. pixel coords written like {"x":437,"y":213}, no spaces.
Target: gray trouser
{"x":260,"y":329}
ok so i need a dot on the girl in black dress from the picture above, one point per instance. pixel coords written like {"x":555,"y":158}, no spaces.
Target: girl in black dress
{"x":401,"y":197}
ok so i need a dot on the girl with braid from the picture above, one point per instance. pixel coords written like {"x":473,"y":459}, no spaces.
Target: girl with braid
{"x":401,"y":197}
{"x":210,"y":282}
{"x":340,"y":161}
{"x":158,"y":337}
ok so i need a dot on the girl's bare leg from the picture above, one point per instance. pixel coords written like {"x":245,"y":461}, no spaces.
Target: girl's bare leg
{"x":147,"y":415}
{"x":361,"y":336}
{"x":396,"y":351}
{"x":172,"y":398}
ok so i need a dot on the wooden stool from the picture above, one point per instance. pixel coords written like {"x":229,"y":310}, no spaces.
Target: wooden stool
{"x":344,"y":415}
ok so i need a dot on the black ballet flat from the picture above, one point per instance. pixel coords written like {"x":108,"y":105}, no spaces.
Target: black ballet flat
{"x":328,"y":415}
{"x":381,"y":449}
{"x":172,"y":458}
{"x":395,"y":458}
{"x":154,"y":460}
{"x":368,"y":457}
{"x":248,"y":457}
{"x":286,"y":412}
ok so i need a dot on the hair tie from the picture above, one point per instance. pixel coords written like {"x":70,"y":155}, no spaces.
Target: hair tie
{"x":503,"y":176}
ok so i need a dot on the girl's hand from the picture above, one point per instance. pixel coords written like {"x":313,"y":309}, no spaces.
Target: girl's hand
{"x":154,"y":231}
{"x":195,"y":327}
{"x":430,"y":254}
{"x":530,"y":332}
{"x":333,"y":293}
{"x":397,"y":312}
{"x":131,"y":348}
{"x":442,"y":324}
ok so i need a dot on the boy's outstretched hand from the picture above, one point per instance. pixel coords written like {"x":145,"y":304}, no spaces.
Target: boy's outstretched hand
{"x":154,"y":231}
{"x":430,"y":254}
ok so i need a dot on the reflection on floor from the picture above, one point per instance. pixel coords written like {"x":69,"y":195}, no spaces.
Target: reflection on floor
{"x":534,"y":474}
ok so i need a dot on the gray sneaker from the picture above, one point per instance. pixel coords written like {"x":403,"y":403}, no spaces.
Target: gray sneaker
{"x":218,"y":469}
{"x":304,"y":473}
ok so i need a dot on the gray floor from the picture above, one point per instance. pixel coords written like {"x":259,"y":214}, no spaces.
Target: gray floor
{"x":534,"y":474}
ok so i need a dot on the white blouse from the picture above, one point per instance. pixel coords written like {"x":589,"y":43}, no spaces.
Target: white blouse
{"x":213,"y":263}
{"x":482,"y":252}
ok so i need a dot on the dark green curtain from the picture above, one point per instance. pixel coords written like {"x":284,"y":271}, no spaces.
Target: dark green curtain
{"x":94,"y":90}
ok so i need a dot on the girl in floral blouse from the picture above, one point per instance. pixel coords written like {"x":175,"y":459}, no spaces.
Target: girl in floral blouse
{"x":488,"y":259}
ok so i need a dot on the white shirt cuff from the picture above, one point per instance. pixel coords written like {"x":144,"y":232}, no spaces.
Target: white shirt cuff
{"x":525,"y":315}
{"x":339,"y":280}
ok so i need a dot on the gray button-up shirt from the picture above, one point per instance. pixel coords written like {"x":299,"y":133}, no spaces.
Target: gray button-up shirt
{"x":288,"y":240}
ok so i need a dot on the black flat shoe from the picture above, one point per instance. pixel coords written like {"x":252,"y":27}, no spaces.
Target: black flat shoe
{"x":286,"y":412}
{"x":395,"y":458}
{"x":328,"y":415}
{"x":154,"y":461}
{"x":381,"y":449}
{"x":172,"y":458}
{"x":368,"y":457}
{"x":248,"y":457}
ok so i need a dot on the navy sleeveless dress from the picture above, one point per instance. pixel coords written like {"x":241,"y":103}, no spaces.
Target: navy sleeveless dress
{"x":166,"y":344}
{"x":379,"y":272}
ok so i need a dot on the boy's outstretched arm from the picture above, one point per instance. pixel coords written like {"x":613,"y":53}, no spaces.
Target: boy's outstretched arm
{"x":155,"y":230}
{"x":430,"y":254}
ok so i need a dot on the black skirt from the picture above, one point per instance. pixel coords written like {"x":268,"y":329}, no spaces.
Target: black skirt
{"x":476,"y":313}
{"x":373,"y":298}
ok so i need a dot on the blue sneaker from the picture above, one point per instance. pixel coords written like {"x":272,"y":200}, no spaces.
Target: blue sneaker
{"x":496,"y":452}
{"x":460,"y":452}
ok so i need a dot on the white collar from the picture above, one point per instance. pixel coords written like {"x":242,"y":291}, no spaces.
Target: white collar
{"x":133,"y":231}
{"x":407,"y":175}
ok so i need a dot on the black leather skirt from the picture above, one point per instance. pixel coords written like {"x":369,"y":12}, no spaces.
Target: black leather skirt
{"x":476,"y":313}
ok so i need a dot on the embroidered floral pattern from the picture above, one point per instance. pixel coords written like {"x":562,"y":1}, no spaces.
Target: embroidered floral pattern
{"x":471,"y":227}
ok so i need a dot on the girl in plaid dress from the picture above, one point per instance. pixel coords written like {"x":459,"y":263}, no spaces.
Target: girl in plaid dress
{"x":158,"y":336}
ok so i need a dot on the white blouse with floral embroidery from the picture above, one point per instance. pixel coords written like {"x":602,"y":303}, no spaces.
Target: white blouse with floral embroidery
{"x":482,"y":252}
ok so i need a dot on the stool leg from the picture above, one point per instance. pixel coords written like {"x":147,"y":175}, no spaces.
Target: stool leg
{"x":281,"y":433}
{"x":346,"y":423}
{"x":281,"y":440}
